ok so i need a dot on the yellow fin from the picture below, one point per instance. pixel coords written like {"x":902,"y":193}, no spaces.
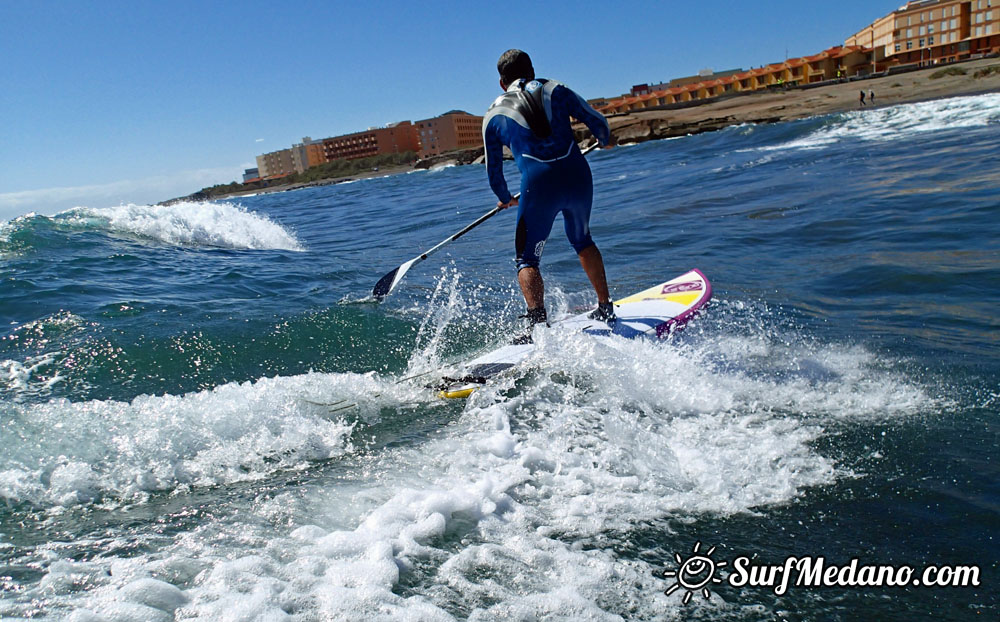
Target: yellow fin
{"x":457,"y":393}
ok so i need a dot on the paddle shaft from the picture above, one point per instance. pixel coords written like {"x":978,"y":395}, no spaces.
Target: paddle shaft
{"x":490,"y":214}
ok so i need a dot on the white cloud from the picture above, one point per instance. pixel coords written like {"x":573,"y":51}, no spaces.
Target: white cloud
{"x":259,"y":140}
{"x":147,"y":191}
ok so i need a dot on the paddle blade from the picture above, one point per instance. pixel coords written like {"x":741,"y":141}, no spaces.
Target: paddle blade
{"x":384,"y":285}
{"x":387,"y":283}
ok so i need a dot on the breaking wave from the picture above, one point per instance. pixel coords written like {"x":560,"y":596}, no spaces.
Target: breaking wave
{"x":900,"y":122}
{"x":212,"y":225}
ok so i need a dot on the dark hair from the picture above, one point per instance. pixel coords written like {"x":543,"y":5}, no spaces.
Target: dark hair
{"x":514,"y":65}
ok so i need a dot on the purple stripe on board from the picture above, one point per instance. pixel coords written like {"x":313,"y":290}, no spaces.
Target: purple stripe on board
{"x":676,"y":323}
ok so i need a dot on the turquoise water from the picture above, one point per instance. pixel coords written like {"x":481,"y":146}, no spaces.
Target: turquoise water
{"x":204,"y":416}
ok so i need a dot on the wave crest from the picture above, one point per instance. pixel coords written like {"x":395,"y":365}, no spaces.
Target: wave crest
{"x":220,"y":225}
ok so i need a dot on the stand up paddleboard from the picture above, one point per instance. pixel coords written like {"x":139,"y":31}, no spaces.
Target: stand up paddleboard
{"x":655,"y":312}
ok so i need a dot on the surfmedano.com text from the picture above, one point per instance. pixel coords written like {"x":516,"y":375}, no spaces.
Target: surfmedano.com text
{"x":815,"y":572}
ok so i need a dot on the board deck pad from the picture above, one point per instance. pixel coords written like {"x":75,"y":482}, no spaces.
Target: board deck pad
{"x":651,"y":313}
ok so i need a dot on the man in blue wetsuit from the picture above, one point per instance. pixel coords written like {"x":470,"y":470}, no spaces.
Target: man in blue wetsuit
{"x":532,"y":118}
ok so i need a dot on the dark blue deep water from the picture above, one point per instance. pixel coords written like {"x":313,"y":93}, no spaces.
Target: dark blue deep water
{"x":204,"y":417}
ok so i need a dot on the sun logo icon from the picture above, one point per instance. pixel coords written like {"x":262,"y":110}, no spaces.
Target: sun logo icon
{"x":694,"y":573}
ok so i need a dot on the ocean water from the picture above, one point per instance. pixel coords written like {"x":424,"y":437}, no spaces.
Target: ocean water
{"x":204,"y":417}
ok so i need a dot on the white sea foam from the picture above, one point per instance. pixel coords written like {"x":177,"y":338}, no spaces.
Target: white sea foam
{"x":29,"y":377}
{"x":437,"y":168}
{"x":490,"y":517}
{"x":899,"y":122}
{"x":119,"y":451}
{"x":220,"y":225}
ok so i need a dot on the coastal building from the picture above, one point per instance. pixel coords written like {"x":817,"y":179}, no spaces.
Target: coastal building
{"x":314,"y":153}
{"x":251,"y":174}
{"x":831,"y":64}
{"x":933,"y":31}
{"x":455,"y":129}
{"x":394,"y":138}
{"x":705,"y":75}
{"x":276,"y":164}
{"x":306,"y":154}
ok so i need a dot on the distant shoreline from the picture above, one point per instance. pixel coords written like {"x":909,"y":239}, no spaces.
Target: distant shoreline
{"x":765,"y":107}
{"x":795,"y":104}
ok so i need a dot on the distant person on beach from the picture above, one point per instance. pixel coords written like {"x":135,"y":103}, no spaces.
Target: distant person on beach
{"x":532,"y":119}
{"x":871,"y":97}
{"x":862,"y":97}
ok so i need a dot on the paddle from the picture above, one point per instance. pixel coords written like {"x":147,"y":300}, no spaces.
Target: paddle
{"x":388,"y":282}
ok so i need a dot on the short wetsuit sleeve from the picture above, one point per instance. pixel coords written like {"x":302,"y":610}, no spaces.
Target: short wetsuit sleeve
{"x":582,"y":111}
{"x":494,"y":158}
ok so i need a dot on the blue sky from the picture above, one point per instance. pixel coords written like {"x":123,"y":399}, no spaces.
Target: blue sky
{"x":137,"y":102}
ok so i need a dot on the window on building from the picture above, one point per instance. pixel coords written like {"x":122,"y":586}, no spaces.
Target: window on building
{"x":909,"y":45}
{"x":899,"y":47}
{"x":930,"y":29}
{"x":923,"y":31}
{"x":921,"y":43}
{"x":930,"y":40}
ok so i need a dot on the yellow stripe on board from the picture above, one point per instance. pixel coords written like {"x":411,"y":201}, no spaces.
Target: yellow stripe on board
{"x":646,"y":294}
{"x":683,"y":298}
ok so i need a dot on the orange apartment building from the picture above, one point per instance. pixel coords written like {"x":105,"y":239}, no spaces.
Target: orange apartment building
{"x":394,"y":138}
{"x":452,"y":130}
{"x":836,"y":62}
{"x":314,"y":153}
{"x":287,"y":161}
{"x":933,"y":31}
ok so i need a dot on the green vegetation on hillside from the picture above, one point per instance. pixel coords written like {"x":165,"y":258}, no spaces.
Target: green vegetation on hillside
{"x":344,"y":168}
{"x":950,"y":71}
{"x":986,"y":71}
{"x":328,"y":170}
